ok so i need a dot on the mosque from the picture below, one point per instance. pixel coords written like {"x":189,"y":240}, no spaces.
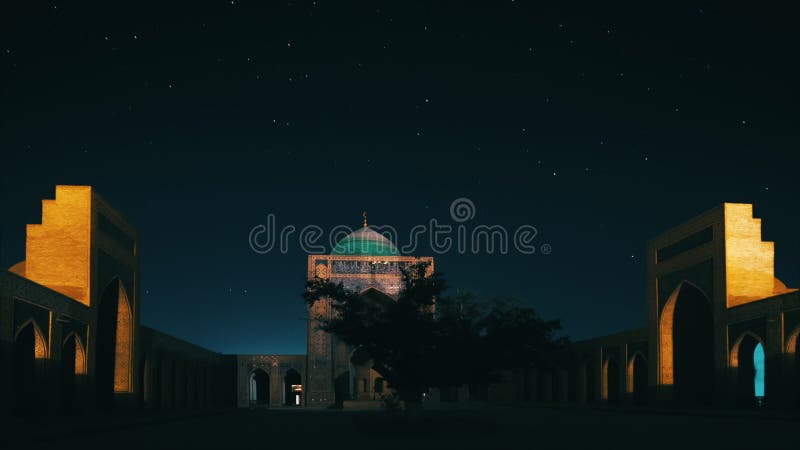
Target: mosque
{"x":721,"y":329}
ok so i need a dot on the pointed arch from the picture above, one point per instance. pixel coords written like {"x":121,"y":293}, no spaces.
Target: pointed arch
{"x":376,"y":296}
{"x":30,"y":354}
{"x":113,"y":344}
{"x":749,"y":369}
{"x":630,"y":370}
{"x":293,"y":388}
{"x":666,"y":373}
{"x":791,"y":341}
{"x":80,"y":352}
{"x":610,"y":380}
{"x":733,"y":361}
{"x":259,"y":387}
{"x":40,"y":347}
{"x":123,"y":362}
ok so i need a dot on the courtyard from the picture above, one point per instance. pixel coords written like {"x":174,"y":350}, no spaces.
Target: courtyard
{"x":475,"y":427}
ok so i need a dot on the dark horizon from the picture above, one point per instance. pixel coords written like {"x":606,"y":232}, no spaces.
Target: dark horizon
{"x":602,"y":127}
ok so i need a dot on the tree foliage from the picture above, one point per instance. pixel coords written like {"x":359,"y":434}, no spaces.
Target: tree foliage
{"x":424,"y":339}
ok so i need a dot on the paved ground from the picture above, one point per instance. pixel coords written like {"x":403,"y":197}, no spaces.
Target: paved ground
{"x":488,"y":428}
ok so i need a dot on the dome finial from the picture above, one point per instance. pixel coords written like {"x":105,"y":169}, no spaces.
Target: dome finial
{"x":364,"y":215}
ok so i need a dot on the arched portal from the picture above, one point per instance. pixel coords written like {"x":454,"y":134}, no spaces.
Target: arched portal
{"x":747,"y":356}
{"x":611,"y":380}
{"x":572,"y":382}
{"x":590,"y":371}
{"x":30,"y":349}
{"x":361,"y":373}
{"x":557,"y":384}
{"x":259,"y":387}
{"x":154,"y":399}
{"x":167,"y":392}
{"x":293,"y":388}
{"x":341,"y":388}
{"x":145,"y":393}
{"x":73,"y":365}
{"x":178,"y":385}
{"x":113,"y":344}
{"x":792,"y":350}
{"x":686,"y":342}
{"x":637,"y":379}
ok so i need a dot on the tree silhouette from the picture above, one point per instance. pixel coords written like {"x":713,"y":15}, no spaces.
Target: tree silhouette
{"x":424,"y":339}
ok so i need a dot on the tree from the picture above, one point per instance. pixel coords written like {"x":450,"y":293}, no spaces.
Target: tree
{"x":424,"y":339}
{"x":518,"y":337}
{"x":400,"y":336}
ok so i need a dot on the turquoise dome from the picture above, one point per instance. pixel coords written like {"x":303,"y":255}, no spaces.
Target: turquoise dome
{"x":365,"y":242}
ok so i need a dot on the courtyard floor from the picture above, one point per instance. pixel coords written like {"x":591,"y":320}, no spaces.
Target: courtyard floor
{"x":468,"y":428}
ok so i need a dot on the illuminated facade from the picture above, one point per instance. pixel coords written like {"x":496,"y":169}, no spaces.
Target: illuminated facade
{"x":718,"y":320}
{"x":363,"y":261}
{"x":69,"y":318}
{"x":721,"y":328}
{"x":366,"y":262}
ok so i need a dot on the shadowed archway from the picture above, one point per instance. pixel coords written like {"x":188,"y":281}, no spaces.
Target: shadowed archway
{"x":611,"y":380}
{"x":114,"y":341}
{"x":637,"y":379}
{"x":259,"y":387}
{"x":686,"y":342}
{"x":30,"y":350}
{"x":292,"y":383}
{"x":73,"y":369}
{"x":341,"y":388}
{"x":747,"y":357}
{"x":590,"y":372}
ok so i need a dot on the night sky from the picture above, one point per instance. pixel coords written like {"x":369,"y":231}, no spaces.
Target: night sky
{"x":601,"y":125}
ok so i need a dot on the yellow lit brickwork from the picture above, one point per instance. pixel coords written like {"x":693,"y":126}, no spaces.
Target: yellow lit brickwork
{"x":122,"y":357}
{"x":58,"y":249}
{"x":665,"y":369}
{"x":39,"y":344}
{"x":629,"y":373}
{"x":791,"y":341}
{"x":749,"y":262}
{"x":80,"y":357}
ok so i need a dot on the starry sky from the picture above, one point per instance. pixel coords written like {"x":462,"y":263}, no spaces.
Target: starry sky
{"x":601,"y":125}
